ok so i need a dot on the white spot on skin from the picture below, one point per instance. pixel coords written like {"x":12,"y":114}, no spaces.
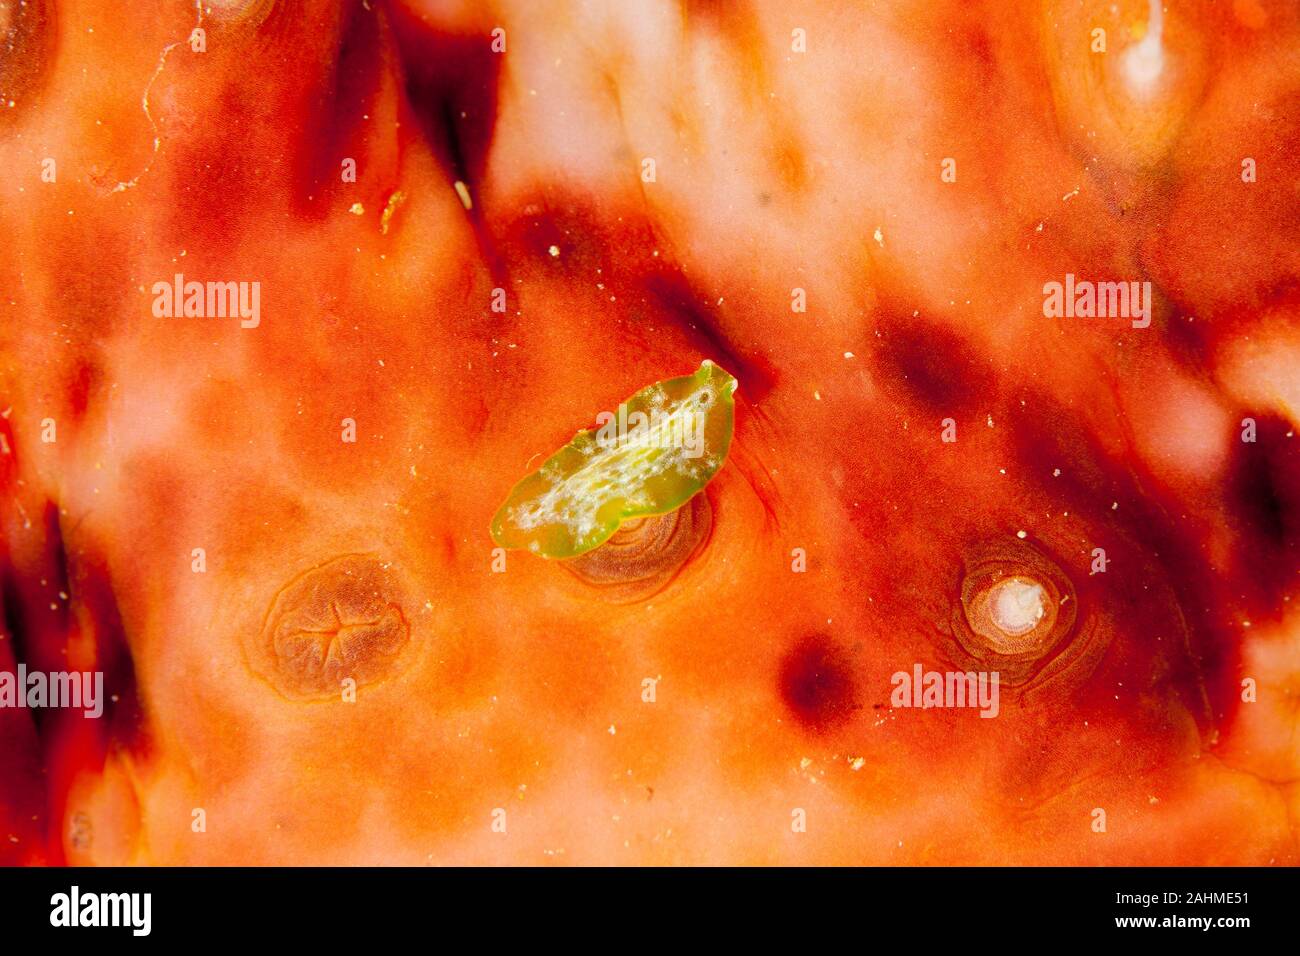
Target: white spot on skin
{"x":1144,"y":61}
{"x":462,"y":193}
{"x":1017,"y":606}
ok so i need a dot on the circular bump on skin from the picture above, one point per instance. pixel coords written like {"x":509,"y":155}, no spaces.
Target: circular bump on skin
{"x":645,"y":554}
{"x":1018,"y":614}
{"x":342,"y":619}
{"x":26,"y":33}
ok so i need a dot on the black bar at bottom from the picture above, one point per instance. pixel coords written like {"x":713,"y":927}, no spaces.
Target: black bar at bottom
{"x":538,"y":907}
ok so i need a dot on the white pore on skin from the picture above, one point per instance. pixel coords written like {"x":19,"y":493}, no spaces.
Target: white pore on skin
{"x":1016,"y":606}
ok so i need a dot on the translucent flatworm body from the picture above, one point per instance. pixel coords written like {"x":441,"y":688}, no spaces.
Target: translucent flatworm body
{"x":661,"y":447}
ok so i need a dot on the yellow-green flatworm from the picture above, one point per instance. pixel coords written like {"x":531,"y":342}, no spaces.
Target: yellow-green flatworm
{"x":662,"y":446}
